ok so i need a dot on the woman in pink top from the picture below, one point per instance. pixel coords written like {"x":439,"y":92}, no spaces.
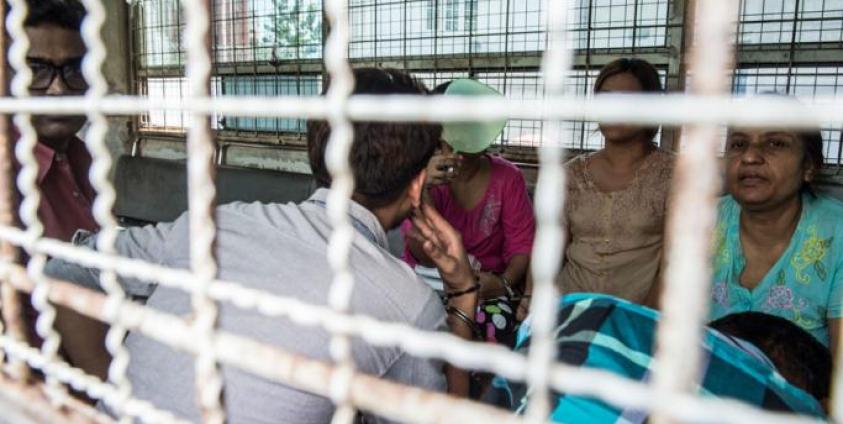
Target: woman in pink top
{"x":485,"y":198}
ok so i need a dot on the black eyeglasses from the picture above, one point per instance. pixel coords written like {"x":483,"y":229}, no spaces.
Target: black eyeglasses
{"x":43,"y":74}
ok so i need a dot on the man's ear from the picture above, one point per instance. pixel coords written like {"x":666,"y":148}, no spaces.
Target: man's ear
{"x":416,"y":188}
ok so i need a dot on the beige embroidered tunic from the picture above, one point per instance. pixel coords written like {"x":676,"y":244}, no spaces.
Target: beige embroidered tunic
{"x":615,"y":242}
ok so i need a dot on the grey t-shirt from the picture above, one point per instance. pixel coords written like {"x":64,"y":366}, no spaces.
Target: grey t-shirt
{"x":280,"y":249}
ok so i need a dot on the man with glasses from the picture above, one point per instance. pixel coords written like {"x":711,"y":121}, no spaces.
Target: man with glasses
{"x":55,"y":56}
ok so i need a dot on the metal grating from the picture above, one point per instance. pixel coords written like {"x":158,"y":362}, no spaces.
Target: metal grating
{"x":669,"y":397}
{"x":268,"y":47}
{"x":806,"y":83}
{"x":786,"y":21}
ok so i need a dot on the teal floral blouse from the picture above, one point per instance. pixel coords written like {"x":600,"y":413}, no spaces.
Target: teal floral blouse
{"x":805,"y":285}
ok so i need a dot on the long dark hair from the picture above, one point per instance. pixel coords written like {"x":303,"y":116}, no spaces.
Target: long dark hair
{"x":643,"y":71}
{"x":812,"y":145}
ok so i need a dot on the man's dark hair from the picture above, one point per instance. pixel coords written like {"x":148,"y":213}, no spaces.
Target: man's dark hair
{"x":798,"y":356}
{"x":67,"y":14}
{"x":385,"y":156}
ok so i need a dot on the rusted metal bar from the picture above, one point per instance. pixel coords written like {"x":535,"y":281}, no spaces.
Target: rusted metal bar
{"x":391,"y":400}
{"x":693,"y":212}
{"x":10,"y":299}
{"x":23,"y":404}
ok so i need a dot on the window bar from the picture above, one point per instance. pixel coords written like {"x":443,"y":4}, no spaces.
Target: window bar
{"x":471,"y":16}
{"x":251,"y":16}
{"x":635,"y":23}
{"x":164,"y":29}
{"x":275,"y":61}
{"x":179,"y":53}
{"x":201,"y":193}
{"x":134,"y":57}
{"x":217,"y":119}
{"x":375,"y":39}
{"x":435,"y":42}
{"x":104,"y":201}
{"x":792,"y":48}
{"x":583,"y":125}
{"x":339,"y":199}
{"x":550,"y":200}
{"x":839,"y":150}
{"x":404,"y":36}
{"x":692,"y":216}
{"x":31,"y":196}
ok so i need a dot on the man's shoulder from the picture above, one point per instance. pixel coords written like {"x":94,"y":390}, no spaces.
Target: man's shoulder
{"x":249,"y":213}
{"x":396,"y":288}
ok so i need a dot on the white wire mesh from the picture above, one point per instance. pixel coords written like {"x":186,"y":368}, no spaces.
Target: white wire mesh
{"x":201,"y":193}
{"x":669,"y":109}
{"x":339,"y":200}
{"x":693,"y":212}
{"x":349,"y":389}
{"x":104,"y":202}
{"x":550,"y":195}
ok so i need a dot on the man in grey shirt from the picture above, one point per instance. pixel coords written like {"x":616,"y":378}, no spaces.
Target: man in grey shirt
{"x":281,"y":249}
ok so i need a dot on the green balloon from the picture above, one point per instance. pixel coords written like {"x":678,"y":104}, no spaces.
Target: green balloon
{"x":471,"y":137}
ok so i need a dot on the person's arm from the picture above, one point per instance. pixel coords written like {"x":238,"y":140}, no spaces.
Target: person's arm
{"x":523,"y":308}
{"x":493,"y":285}
{"x":82,"y":337}
{"x":518,"y":223}
{"x":443,"y":245}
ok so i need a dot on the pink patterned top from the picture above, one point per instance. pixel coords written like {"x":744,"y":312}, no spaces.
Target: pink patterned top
{"x":502,"y":224}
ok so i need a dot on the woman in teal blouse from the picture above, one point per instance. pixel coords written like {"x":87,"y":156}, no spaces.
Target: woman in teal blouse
{"x":779,"y":244}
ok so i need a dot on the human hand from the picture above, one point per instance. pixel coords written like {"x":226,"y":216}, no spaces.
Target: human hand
{"x":443,"y":245}
{"x":491,"y":285}
{"x":442,"y":167}
{"x":523,"y":308}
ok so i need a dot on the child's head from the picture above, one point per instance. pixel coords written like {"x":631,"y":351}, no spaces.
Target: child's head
{"x":797,"y":355}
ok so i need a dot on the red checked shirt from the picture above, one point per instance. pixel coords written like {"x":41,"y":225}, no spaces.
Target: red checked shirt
{"x":66,"y":193}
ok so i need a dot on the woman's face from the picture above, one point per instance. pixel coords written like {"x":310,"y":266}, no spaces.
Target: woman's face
{"x":765,"y":168}
{"x":620,"y":83}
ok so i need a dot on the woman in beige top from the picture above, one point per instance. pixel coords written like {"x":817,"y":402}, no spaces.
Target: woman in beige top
{"x":617,"y":197}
